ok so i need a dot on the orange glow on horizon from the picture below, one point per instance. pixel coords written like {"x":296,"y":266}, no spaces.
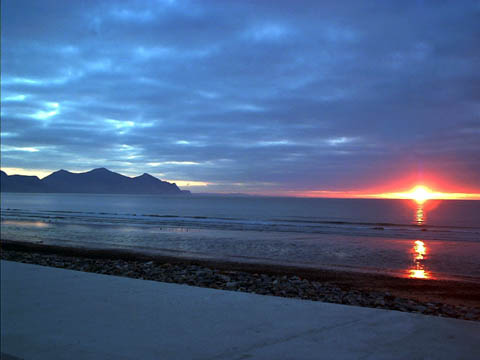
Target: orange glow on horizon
{"x":419,"y":193}
{"x":428,"y":185}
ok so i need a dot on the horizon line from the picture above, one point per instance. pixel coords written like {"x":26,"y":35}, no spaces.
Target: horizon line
{"x":308,"y":194}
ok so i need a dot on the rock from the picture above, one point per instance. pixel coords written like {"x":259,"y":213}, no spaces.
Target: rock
{"x":469,"y":316}
{"x":231,"y":284}
{"x":421,"y":308}
{"x":225,"y":278}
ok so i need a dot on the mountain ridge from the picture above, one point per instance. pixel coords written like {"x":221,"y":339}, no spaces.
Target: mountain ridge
{"x":95,"y":181}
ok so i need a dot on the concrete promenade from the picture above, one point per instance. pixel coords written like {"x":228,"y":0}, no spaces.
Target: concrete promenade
{"x":49,"y":313}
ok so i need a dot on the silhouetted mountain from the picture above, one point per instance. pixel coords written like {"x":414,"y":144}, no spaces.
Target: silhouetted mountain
{"x":21,"y":183}
{"x":96,"y":181}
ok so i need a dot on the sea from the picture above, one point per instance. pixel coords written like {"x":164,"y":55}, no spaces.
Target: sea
{"x":436,"y":239}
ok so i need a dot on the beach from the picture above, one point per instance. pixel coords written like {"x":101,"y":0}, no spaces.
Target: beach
{"x":372,"y":253}
{"x":431,"y":297}
{"x":386,"y":237}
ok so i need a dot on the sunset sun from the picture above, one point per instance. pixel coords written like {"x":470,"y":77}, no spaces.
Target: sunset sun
{"x":420,"y":194}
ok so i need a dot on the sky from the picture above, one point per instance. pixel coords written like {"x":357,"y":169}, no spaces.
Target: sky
{"x":265,"y":97}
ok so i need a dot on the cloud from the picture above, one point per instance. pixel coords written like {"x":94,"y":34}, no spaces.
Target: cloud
{"x":267,"y":32}
{"x":19,"y":97}
{"x":15,"y":148}
{"x":244,"y":95}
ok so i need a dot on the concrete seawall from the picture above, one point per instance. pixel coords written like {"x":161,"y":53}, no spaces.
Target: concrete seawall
{"x":54,"y":313}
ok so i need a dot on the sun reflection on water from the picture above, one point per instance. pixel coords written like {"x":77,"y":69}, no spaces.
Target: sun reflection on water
{"x":420,"y":214}
{"x":419,"y":254}
{"x":37,"y":224}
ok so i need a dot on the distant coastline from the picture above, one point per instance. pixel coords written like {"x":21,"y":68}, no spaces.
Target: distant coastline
{"x":96,"y":181}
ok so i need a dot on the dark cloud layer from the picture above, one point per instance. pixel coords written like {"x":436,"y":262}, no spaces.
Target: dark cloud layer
{"x":248,"y":95}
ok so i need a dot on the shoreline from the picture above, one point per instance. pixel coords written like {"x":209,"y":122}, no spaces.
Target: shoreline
{"x":228,"y":262}
{"x":435,"y":297}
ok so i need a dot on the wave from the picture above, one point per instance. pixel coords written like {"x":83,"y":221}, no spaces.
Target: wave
{"x":289,"y":220}
{"x":387,"y":224}
{"x":295,"y":225}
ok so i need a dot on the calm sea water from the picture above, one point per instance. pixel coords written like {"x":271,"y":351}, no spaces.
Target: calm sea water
{"x":436,"y":239}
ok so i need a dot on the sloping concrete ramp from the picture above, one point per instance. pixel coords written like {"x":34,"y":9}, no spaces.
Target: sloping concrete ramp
{"x":49,"y":313}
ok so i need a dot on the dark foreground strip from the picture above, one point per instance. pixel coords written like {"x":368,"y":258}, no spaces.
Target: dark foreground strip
{"x":368,"y":290}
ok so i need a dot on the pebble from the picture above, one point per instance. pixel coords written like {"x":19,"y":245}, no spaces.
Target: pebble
{"x":265,"y":284}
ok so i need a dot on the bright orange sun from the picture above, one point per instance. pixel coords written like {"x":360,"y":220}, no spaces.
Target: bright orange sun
{"x":420,"y":194}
